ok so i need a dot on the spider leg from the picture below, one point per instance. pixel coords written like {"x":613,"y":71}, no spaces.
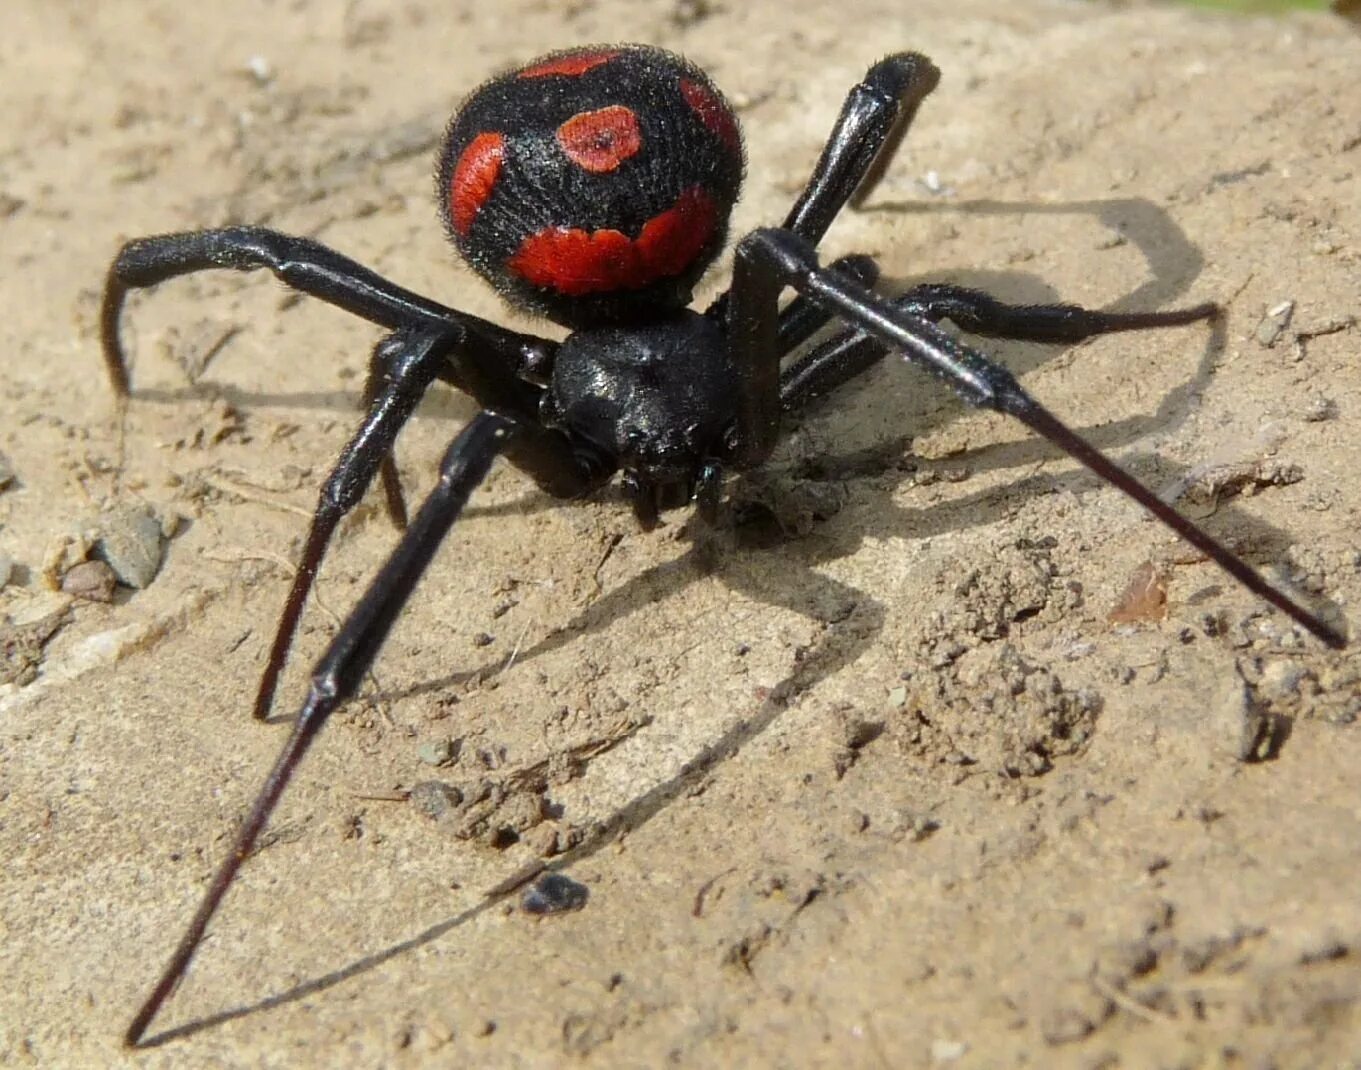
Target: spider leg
{"x":404,"y":365}
{"x":981,"y":313}
{"x":801,"y":318}
{"x":491,"y":358}
{"x":483,"y":359}
{"x":393,"y":499}
{"x":402,"y":368}
{"x":848,"y":354}
{"x":301,"y":263}
{"x":769,"y":260}
{"x":873,"y":120}
{"x":342,"y":667}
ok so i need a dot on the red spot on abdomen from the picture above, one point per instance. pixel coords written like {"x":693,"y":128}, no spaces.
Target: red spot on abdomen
{"x":575,"y":262}
{"x":599,"y":141}
{"x":713,"y":113}
{"x":474,"y":176}
{"x":573,"y":64}
{"x":669,"y":242}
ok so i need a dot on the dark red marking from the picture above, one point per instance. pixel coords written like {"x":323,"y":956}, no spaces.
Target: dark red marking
{"x":599,"y":141}
{"x":574,"y":64}
{"x":474,"y":176}
{"x":575,"y":262}
{"x":713,"y":113}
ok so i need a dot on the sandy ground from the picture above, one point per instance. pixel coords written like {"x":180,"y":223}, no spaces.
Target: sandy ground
{"x":886,"y":787}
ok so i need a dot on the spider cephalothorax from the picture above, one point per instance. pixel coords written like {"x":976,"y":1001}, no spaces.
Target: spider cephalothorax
{"x":594,"y":186}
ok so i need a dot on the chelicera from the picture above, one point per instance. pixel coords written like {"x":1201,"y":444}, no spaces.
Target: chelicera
{"x":594,"y":186}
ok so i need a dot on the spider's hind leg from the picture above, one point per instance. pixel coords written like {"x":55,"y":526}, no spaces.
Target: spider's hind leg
{"x":981,"y":313}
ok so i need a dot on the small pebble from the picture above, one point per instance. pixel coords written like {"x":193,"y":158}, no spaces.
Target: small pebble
{"x":1235,"y":723}
{"x":1274,"y":323}
{"x":131,"y":539}
{"x":554,"y":894}
{"x":434,"y":798}
{"x":92,"y":581}
{"x":259,"y":68}
{"x":440,"y":752}
{"x":1280,"y":681}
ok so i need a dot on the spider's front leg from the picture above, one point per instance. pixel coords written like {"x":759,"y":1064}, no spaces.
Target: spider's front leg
{"x":767,"y":261}
{"x":489,"y":356}
{"x":484,"y":359}
{"x":404,"y":366}
{"x":301,"y":263}
{"x":341,"y":668}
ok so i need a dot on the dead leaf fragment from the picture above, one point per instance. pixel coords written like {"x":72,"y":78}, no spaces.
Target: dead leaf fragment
{"x":1144,"y":597}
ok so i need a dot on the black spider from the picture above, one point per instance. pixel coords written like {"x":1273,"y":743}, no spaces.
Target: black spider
{"x":594,"y":187}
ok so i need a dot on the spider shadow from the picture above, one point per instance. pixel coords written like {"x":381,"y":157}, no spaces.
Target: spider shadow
{"x":1174,"y":262}
{"x":851,"y":622}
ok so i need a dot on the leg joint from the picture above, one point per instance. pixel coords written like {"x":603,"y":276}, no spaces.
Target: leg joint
{"x":791,"y":256}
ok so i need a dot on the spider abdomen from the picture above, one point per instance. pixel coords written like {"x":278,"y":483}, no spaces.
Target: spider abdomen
{"x":593,"y":186}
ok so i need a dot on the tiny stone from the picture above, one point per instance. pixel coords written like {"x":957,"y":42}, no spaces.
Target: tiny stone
{"x":543,"y":841}
{"x":1234,"y":718}
{"x":92,"y":581}
{"x":131,"y":539}
{"x":1280,"y":680}
{"x":1317,"y":408}
{"x":1274,"y":323}
{"x":947,"y":1051}
{"x":440,"y":752}
{"x":434,"y":798}
{"x":260,"y":69}
{"x":554,"y":894}
{"x":483,"y":639}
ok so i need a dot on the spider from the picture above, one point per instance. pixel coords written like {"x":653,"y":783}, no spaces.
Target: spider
{"x":593,"y":186}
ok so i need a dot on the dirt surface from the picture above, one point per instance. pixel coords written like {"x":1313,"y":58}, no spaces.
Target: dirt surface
{"x":884,"y":786}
